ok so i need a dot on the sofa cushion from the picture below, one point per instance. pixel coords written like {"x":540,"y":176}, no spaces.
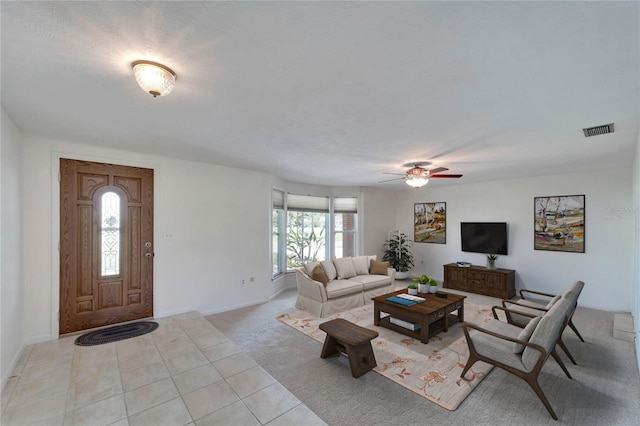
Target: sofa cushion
{"x":329,"y":269}
{"x":318,"y":274}
{"x":345,"y":268}
{"x":378,"y":268}
{"x":525,"y":335}
{"x":309,"y":267}
{"x":338,"y":288}
{"x":372,"y":281}
{"x":361,"y":263}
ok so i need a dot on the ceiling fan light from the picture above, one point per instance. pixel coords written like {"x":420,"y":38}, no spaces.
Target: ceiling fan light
{"x":154,"y":78}
{"x":416,"y":181}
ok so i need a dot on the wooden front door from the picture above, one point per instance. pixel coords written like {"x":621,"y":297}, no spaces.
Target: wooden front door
{"x":106,"y":244}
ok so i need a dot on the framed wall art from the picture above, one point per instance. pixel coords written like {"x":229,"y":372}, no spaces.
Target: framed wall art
{"x":430,"y":223}
{"x":559,"y":223}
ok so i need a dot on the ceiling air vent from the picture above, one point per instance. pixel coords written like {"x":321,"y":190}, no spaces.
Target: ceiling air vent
{"x":598,"y":130}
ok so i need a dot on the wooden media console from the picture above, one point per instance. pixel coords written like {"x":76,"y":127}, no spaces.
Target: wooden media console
{"x":478,"y":279}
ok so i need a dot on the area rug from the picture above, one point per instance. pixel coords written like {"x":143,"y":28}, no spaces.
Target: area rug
{"x":431,"y":370}
{"x":116,"y":333}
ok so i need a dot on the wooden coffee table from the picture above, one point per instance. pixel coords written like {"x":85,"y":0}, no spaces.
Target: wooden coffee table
{"x":433,"y":315}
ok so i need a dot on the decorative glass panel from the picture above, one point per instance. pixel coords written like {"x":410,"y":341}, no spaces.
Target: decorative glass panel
{"x":110,"y":225}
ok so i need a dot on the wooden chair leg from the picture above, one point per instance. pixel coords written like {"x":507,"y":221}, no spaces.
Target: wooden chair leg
{"x":555,"y":356}
{"x":533,"y":382}
{"x":575,"y":330}
{"x":472,"y":360}
{"x":566,"y":350}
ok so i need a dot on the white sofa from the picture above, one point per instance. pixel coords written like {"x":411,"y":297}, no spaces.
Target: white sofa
{"x":349,"y":285}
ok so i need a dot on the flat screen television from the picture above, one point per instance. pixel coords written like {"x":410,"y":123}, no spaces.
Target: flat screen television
{"x":484,"y":237}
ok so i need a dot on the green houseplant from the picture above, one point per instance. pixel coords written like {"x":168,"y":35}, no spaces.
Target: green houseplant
{"x":424,"y":282}
{"x":412,"y":289}
{"x":397,"y":253}
{"x":491,"y":260}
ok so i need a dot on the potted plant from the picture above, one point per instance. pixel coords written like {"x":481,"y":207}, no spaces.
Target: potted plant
{"x":397,"y":253}
{"x":412,"y":289}
{"x":424,"y":282}
{"x":433,"y":286}
{"x":491,"y":260}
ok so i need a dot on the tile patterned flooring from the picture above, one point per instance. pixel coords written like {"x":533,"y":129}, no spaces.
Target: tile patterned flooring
{"x":184,"y":373}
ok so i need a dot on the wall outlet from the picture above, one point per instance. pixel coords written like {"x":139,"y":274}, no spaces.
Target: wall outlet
{"x":242,"y":281}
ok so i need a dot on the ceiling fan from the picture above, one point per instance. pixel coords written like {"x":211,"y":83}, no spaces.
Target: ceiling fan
{"x":418,"y":175}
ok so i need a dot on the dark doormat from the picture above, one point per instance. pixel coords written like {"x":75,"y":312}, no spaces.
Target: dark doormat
{"x":116,"y":333}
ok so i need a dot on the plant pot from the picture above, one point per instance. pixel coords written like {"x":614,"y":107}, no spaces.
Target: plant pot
{"x":402,"y":275}
{"x":423,"y":288}
{"x":491,"y":264}
{"x":433,"y":288}
{"x":412,"y":291}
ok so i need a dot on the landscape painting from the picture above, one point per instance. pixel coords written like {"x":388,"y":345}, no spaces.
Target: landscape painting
{"x":430,"y":223}
{"x":559,"y":223}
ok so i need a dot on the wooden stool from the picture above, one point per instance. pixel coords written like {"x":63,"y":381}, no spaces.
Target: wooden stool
{"x":351,"y":339}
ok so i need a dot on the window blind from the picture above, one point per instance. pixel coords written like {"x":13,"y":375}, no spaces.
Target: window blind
{"x":277,"y":198}
{"x":345,"y":205}
{"x":307,"y":203}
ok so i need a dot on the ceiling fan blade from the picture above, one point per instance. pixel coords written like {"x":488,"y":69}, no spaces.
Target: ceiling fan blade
{"x":437,"y":170}
{"x":389,"y":180}
{"x":391,"y":173}
{"x":445,"y":176}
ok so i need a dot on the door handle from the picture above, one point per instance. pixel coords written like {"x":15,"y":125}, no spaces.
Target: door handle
{"x":148,"y":255}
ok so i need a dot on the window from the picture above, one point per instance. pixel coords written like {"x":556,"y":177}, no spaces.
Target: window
{"x":110,"y":235}
{"x":307,"y":228}
{"x":307,"y":220}
{"x":277,"y":233}
{"x":345,"y":220}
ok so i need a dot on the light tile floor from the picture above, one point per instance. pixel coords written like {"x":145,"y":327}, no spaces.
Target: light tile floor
{"x":184,"y":373}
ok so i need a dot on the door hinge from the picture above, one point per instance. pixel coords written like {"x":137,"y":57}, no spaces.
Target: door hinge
{"x":58,"y":316}
{"x":59,"y":177}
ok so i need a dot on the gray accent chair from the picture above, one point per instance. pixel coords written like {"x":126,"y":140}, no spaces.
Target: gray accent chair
{"x":506,"y":346}
{"x":530,"y":307}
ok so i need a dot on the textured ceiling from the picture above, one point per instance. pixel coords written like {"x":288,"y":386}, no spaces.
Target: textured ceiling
{"x":335,"y":93}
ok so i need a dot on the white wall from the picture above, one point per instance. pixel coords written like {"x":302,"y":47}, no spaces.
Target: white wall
{"x":379,"y":210}
{"x":635,"y":284}
{"x":606,"y":267}
{"x":218,"y":217}
{"x":12,"y":295}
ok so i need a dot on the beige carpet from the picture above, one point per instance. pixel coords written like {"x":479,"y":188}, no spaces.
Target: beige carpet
{"x":431,"y":370}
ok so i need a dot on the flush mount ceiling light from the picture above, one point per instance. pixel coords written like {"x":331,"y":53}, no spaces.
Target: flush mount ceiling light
{"x":154,"y":78}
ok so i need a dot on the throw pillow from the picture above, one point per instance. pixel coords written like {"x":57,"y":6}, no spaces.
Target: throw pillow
{"x":370,"y":258}
{"x":345,"y":268}
{"x":525,"y":335}
{"x":309,"y":267}
{"x":378,"y":268}
{"x":361,"y":264}
{"x":551,"y":303}
{"x":318,"y":274}
{"x":329,"y":269}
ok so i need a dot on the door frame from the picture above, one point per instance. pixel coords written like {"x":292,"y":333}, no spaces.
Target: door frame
{"x":55,"y":226}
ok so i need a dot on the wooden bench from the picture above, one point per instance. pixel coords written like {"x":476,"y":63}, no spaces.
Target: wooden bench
{"x":351,"y":339}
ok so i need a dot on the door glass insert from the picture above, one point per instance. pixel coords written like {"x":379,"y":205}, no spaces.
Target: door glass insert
{"x":110,"y":225}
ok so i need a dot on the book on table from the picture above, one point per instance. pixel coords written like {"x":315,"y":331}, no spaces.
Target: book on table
{"x":404,"y":324}
{"x":401,"y":301}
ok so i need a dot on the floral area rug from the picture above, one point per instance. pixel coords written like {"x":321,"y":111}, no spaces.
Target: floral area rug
{"x":431,"y":370}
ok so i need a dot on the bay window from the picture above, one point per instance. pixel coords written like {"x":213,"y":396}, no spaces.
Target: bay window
{"x":307,"y":228}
